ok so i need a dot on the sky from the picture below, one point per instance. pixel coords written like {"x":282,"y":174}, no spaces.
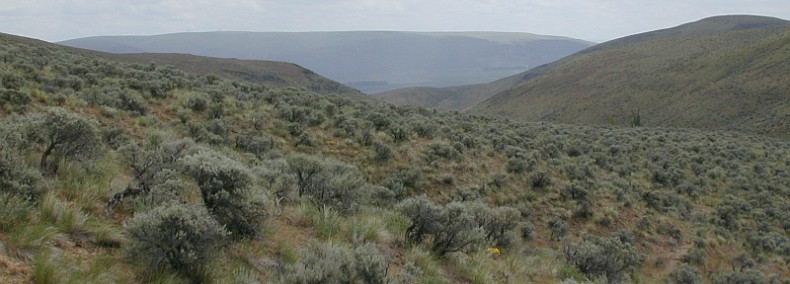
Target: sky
{"x":593,"y":20}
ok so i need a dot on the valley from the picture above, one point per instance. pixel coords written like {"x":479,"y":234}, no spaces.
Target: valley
{"x":656,"y":158}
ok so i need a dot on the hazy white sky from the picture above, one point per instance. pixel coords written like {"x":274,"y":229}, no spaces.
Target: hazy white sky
{"x":595,"y":20}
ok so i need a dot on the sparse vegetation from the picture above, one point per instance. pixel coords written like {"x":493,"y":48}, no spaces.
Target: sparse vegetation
{"x":332,"y":190}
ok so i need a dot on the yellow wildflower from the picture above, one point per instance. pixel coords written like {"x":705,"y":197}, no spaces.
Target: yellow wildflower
{"x":494,"y":250}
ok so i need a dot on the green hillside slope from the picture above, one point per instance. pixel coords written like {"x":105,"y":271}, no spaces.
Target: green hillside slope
{"x":720,"y":73}
{"x":115,"y":172}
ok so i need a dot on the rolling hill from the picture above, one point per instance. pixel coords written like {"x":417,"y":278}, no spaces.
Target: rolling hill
{"x":449,"y":98}
{"x":271,"y":73}
{"x":726,"y":72}
{"x":371,"y":61}
{"x":118,"y":172}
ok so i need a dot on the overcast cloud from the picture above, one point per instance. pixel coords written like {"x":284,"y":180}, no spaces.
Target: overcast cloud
{"x":595,"y":20}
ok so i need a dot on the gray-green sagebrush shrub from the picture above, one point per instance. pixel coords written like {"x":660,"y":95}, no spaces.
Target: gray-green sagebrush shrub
{"x":113,"y":96}
{"x":225,"y":187}
{"x":256,"y":143}
{"x":177,"y":237}
{"x":152,"y":158}
{"x":685,"y":274}
{"x":451,"y":228}
{"x":328,"y":182}
{"x":276,"y":177}
{"x":748,"y":276}
{"x":498,"y":223}
{"x":399,"y":133}
{"x":611,"y":257}
{"x":667,"y":202}
{"x":15,"y":211}
{"x":329,"y":263}
{"x":155,"y":169}
{"x":12,"y":81}
{"x":381,"y":153}
{"x":17,"y":99}
{"x":440,"y":150}
{"x":63,"y":135}
{"x":15,"y":176}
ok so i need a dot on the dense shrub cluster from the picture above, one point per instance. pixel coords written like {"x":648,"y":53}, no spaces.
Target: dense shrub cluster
{"x":451,"y":228}
{"x":180,"y":237}
{"x":610,"y":257}
{"x":458,"y":226}
{"x":64,"y":135}
{"x":328,"y":182}
{"x":337,"y":264}
{"x":16,"y":177}
{"x":225,"y":188}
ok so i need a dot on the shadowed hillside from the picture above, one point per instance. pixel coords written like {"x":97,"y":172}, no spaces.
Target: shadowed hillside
{"x":725,"y":72}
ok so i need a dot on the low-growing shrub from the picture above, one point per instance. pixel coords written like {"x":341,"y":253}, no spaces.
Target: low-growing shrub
{"x":498,"y":223}
{"x":540,"y":180}
{"x":256,"y":143}
{"x":64,"y":135}
{"x":399,"y":133}
{"x":225,"y":187}
{"x":381,"y":153}
{"x":439,"y":150}
{"x":14,"y":211}
{"x":610,"y":257}
{"x":451,"y":228}
{"x":328,"y":182}
{"x":16,"y":177}
{"x":178,"y":237}
{"x":685,"y":274}
{"x":328,"y":263}
{"x":559,"y":228}
{"x":740,"y":277}
{"x":665,"y":202}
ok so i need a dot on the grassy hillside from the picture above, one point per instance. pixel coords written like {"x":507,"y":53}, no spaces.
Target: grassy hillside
{"x":371,"y":61}
{"x":125,"y":173}
{"x":719,"y":73}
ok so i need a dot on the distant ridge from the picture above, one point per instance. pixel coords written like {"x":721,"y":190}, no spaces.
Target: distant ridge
{"x":275,"y":74}
{"x":449,"y":98}
{"x":724,"y":72}
{"x":389,"y":58}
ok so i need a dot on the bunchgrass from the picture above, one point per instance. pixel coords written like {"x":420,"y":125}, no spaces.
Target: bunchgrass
{"x":67,"y":216}
{"x":45,"y":269}
{"x":15,"y":211}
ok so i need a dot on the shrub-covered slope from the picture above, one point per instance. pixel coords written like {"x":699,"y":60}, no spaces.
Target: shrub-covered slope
{"x":719,"y":73}
{"x":270,"y":73}
{"x":116,"y":172}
